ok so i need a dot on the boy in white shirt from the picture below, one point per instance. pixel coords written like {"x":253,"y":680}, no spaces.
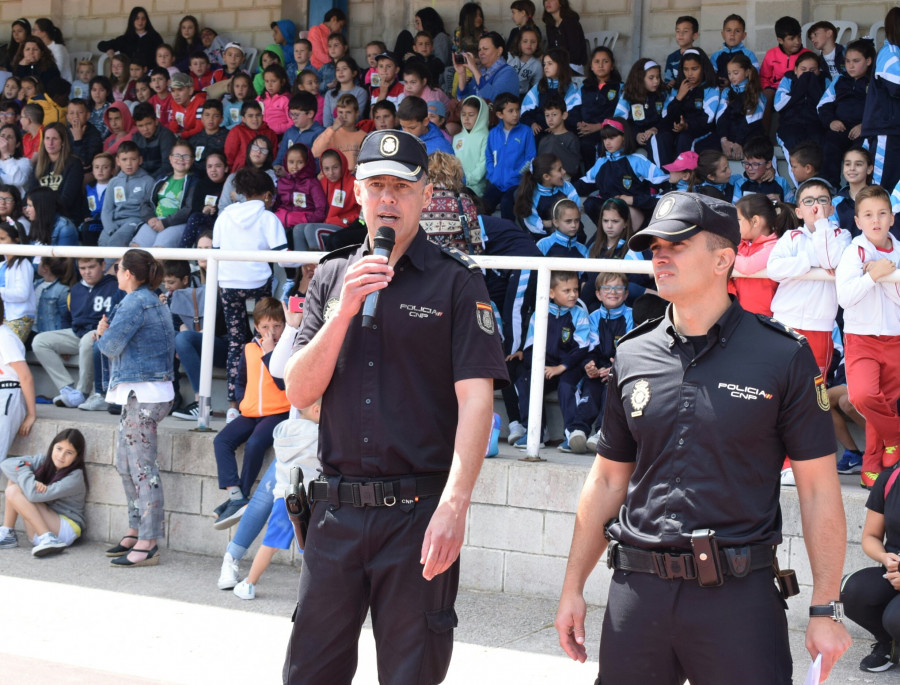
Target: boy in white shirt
{"x":872,"y":329}
{"x":809,"y":307}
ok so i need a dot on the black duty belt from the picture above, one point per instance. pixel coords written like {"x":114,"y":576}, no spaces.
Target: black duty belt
{"x":8,"y":385}
{"x":735,"y":561}
{"x":380,"y":493}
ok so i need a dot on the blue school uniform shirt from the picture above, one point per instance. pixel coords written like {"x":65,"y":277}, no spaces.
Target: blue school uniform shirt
{"x":644,"y":115}
{"x":560,"y":245}
{"x":720,"y":58}
{"x":542,"y":202}
{"x":568,"y":334}
{"x":882,"y":111}
{"x":607,"y":326}
{"x":836,"y":67}
{"x":797,"y":99}
{"x":778,"y":185}
{"x":599,"y":102}
{"x":844,"y":100}
{"x":732,"y":122}
{"x":534,"y":99}
{"x":698,"y":108}
{"x":620,"y":174}
{"x":293,"y":136}
{"x":507,"y":154}
{"x":673,"y":66}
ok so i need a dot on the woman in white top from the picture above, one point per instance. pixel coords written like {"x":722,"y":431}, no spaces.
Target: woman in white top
{"x":16,"y":389}
{"x":48,"y":32}
{"x":139,"y":344}
{"x":17,"y":282}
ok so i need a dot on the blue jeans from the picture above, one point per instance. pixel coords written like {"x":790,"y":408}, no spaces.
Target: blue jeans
{"x":256,"y":515}
{"x":188,"y":345}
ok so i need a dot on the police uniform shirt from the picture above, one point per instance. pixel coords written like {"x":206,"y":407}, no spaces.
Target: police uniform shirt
{"x":391,"y":407}
{"x":708,"y":431}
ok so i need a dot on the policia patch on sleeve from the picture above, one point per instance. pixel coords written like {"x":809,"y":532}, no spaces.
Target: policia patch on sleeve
{"x":484,"y":316}
{"x":822,"y":394}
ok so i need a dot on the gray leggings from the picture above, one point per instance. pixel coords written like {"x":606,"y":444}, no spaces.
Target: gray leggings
{"x":309,"y":236}
{"x":137,"y":465}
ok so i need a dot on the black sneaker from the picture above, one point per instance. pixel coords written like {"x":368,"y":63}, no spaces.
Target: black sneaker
{"x":189,"y":413}
{"x":115,"y":409}
{"x":882,"y":658}
{"x":219,"y":509}
{"x":232,"y":513}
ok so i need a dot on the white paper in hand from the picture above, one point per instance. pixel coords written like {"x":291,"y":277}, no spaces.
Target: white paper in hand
{"x":815,"y":672}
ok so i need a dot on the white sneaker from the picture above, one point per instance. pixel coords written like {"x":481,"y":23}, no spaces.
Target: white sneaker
{"x":71,"y":397}
{"x":228,"y":578}
{"x":516,"y":431}
{"x":96,"y":402}
{"x":592,"y":442}
{"x":48,"y":543}
{"x":787,"y":477}
{"x":245,"y":590}
{"x":231,"y":414}
{"x":577,"y":441}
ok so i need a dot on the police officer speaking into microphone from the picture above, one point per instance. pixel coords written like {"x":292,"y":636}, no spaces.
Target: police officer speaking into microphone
{"x":703,"y":404}
{"x":407,"y":403}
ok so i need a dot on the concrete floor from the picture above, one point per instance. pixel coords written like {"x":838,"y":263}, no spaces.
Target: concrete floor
{"x":72,"y":619}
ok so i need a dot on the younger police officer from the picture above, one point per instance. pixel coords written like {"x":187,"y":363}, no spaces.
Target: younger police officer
{"x":406,"y":412}
{"x":703,"y":405}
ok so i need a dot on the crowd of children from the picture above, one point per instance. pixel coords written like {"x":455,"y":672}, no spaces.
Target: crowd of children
{"x":180,"y":147}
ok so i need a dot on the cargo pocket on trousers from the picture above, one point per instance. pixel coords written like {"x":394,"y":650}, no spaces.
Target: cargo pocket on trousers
{"x":439,"y":648}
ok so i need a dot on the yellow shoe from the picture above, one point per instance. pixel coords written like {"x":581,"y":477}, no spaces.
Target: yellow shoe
{"x":891,"y":456}
{"x":867,"y":479}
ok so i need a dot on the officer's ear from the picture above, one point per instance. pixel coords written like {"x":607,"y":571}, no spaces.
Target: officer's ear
{"x":725,"y":257}
{"x":429,"y":191}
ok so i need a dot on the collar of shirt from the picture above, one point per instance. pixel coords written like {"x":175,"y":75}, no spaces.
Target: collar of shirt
{"x":564,"y":240}
{"x":720,"y":331}
{"x":612,"y":313}
{"x":558,"y":311}
{"x":415,"y":251}
{"x":741,"y":87}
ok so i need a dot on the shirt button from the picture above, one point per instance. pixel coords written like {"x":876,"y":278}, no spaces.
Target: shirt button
{"x":672,"y":516}
{"x":365,"y":440}
{"x":368,"y":401}
{"x":374,"y":327}
{"x":371,"y":363}
{"x":680,"y":441}
{"x":693,"y":363}
{"x":678,"y":479}
{"x":687,"y":404}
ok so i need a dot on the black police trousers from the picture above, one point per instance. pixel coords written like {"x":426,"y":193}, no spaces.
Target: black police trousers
{"x":362,"y":558}
{"x":664,"y":631}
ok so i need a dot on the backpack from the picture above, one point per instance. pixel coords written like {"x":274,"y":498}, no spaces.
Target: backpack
{"x":890,"y":483}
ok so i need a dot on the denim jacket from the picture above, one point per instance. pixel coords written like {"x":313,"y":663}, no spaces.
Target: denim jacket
{"x":53,"y":308}
{"x":140,"y":341}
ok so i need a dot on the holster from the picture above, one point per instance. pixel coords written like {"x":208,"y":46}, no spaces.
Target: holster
{"x":298,"y":506}
{"x":787,"y":580}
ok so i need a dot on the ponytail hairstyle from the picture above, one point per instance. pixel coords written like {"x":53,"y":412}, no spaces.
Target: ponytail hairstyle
{"x":866,"y":48}
{"x":16,"y":233}
{"x":778,"y":216}
{"x":590,"y":79}
{"x":47,"y":472}
{"x":144,"y":267}
{"x":47,"y":26}
{"x":61,"y":267}
{"x":754,"y":86}
{"x":563,"y":73}
{"x":710,"y":78}
{"x":707,"y":161}
{"x":540,"y":165}
{"x":598,"y":248}
{"x":562,"y":205}
{"x":635,"y":90}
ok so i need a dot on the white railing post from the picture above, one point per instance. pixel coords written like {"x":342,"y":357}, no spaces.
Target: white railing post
{"x":538,"y":362}
{"x":207,"y":348}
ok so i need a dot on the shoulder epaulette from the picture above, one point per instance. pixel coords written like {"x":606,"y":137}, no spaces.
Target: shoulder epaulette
{"x":461,"y":257}
{"x":639,"y":330}
{"x":345,"y":251}
{"x":782,"y":328}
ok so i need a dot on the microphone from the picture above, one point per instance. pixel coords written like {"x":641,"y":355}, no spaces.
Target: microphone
{"x":382,"y":246}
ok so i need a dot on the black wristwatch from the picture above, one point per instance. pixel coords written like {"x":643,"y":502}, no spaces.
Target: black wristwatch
{"x":832,"y":610}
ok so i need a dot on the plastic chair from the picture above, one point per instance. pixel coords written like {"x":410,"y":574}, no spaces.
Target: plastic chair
{"x":877,"y":27}
{"x":597,"y":38}
{"x":843,"y":29}
{"x":77,"y":57}
{"x":249,"y":63}
{"x":101,"y":64}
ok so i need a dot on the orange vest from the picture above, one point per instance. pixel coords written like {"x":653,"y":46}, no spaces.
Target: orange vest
{"x":261,"y":396}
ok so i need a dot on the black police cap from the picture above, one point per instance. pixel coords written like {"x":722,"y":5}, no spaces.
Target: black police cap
{"x":678,"y":216}
{"x":392,"y":153}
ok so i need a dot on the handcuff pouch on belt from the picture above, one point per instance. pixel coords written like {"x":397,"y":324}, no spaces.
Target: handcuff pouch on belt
{"x":787,"y":579}
{"x":706,"y":558}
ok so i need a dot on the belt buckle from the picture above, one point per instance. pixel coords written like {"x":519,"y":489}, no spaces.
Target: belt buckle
{"x":367,"y":494}
{"x":674,"y":566}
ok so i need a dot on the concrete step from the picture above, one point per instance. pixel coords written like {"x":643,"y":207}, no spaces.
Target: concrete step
{"x":518,"y":530}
